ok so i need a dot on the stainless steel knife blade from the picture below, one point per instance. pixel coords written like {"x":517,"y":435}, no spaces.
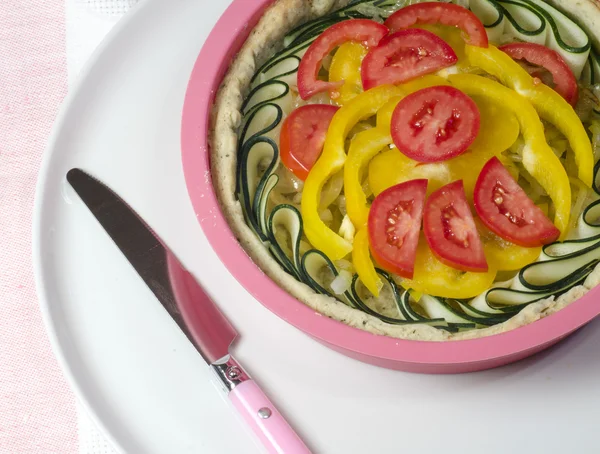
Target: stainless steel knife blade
{"x":176,"y":289}
{"x":191,"y":308}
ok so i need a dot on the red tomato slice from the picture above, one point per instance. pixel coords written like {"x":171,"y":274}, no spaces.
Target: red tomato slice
{"x":565,"y":82}
{"x":435,"y":124}
{"x":303,"y":135}
{"x":405,"y":55}
{"x":506,"y":210}
{"x":394,"y":226}
{"x":440,"y":13}
{"x":451,"y":231}
{"x":364,"y":31}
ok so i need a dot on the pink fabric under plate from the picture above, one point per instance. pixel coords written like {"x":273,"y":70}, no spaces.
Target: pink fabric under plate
{"x":37,"y":409}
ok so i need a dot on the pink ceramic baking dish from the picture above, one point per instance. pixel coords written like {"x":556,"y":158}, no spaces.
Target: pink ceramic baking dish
{"x":426,"y":357}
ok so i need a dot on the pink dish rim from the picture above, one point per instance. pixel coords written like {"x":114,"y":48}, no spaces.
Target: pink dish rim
{"x":223,"y":42}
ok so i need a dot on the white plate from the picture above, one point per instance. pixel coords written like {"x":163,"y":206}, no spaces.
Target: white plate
{"x":148,"y":389}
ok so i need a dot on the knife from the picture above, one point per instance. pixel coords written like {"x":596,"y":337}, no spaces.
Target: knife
{"x":190,"y":307}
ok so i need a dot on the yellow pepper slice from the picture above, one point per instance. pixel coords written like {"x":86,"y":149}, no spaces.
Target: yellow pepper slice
{"x":549,"y":104}
{"x":364,"y":147}
{"x":499,"y":131}
{"x":553,"y":108}
{"x":392,"y":167}
{"x":452,"y":35}
{"x":384,"y":115}
{"x":332,"y":160}
{"x":538,"y":158}
{"x":430,"y":80}
{"x":501,"y":66}
{"x":499,"y":128}
{"x":345,"y":66}
{"x":434,"y":278}
{"x":361,"y":258}
{"x":503,"y":255}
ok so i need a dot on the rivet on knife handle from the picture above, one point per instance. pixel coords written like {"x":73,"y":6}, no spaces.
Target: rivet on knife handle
{"x":229,"y":372}
{"x":264,"y":419}
{"x":256,"y":409}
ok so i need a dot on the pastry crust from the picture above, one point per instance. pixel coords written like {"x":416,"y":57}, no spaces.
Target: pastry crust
{"x":226,"y":118}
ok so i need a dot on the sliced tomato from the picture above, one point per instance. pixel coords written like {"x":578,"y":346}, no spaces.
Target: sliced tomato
{"x":440,"y":13}
{"x":364,"y":31}
{"x":394,"y":226}
{"x":435,"y":124}
{"x":450,"y":230}
{"x":507,"y":211}
{"x":405,"y":55}
{"x":565,"y":83}
{"x":303,"y":135}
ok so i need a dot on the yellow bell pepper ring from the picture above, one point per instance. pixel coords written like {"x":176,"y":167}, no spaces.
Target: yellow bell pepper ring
{"x":345,"y":67}
{"x":364,"y":147}
{"x":538,"y":158}
{"x":452,"y":35}
{"x":432,"y":277}
{"x":331,"y":161}
{"x":500,"y":65}
{"x":384,"y":115}
{"x":503,"y":255}
{"x":551,"y":106}
{"x":361,"y":258}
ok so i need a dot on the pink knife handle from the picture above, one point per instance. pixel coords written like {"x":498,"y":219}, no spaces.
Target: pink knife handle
{"x":264,"y":419}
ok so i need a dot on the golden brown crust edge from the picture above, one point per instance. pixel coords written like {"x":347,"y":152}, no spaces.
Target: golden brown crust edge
{"x":264,"y":39}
